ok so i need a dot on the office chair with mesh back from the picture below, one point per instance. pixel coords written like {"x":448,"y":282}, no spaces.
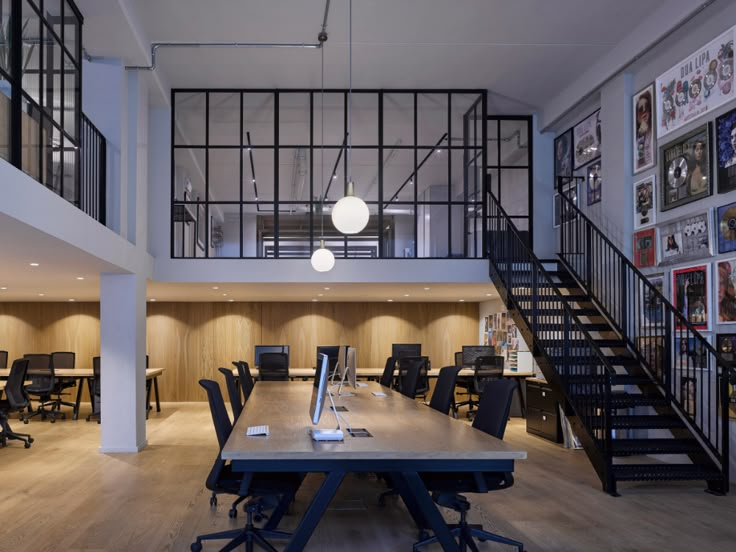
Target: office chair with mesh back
{"x":43,"y":385}
{"x":409,"y":376}
{"x":485,"y":369}
{"x":264,"y":490}
{"x":64,"y":359}
{"x":96,"y":390}
{"x":233,"y":391}
{"x":274,"y":367}
{"x":245,"y":379}
{"x":423,"y":377}
{"x":491,"y":418}
{"x":443,"y":397}
{"x":15,"y":401}
{"x":387,"y":378}
{"x":3,"y":360}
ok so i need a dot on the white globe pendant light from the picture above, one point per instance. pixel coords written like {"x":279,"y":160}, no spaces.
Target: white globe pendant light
{"x":322,"y":259}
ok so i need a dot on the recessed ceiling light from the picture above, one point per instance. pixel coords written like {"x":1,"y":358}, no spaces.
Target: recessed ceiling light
{"x":40,"y":294}
{"x":489,"y":295}
{"x":231,"y":300}
{"x":315,"y":300}
{"x":426,"y":289}
{"x":320,"y":295}
{"x":80,"y":277}
{"x":72,"y":300}
{"x":152,"y":300}
{"x":461,"y":300}
{"x":3,"y":288}
{"x":33,"y":264}
{"x":215,"y":287}
{"x":390,"y":300}
{"x":224,"y":294}
{"x":406,"y":295}
{"x":327,"y":289}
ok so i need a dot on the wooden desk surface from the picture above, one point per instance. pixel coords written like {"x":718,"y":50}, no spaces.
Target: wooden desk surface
{"x":402,"y":429}
{"x":86,"y":372}
{"x":3,"y":383}
{"x":377,"y":372}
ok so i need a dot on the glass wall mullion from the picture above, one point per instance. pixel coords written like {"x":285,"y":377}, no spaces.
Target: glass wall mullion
{"x":241,"y":132}
{"x":416,"y":178}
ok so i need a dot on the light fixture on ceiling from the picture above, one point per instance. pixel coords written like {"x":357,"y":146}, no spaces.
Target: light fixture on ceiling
{"x":322,"y":259}
{"x":350,"y":214}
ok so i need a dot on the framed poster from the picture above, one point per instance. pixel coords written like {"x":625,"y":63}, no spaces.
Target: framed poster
{"x":685,"y":169}
{"x":685,"y":239}
{"x":688,"y":394}
{"x":653,"y":311}
{"x":645,"y":248}
{"x":726,"y":345}
{"x":652,"y":349}
{"x":695,"y":86}
{"x":594,"y":183}
{"x":726,"y":228}
{"x":726,"y":280}
{"x":644,"y":150}
{"x":562,"y":212}
{"x":691,"y":295}
{"x":563,"y":155}
{"x":690,"y":354}
{"x":587,"y":140}
{"x":645,"y":203}
{"x":726,"y":151}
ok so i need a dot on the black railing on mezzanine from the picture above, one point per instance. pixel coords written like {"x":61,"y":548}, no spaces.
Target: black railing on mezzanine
{"x":93,"y":171}
{"x":692,"y":374}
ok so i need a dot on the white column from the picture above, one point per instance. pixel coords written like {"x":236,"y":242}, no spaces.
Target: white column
{"x":123,"y":362}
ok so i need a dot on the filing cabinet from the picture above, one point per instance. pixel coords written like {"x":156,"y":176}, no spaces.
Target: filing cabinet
{"x":542,"y":412}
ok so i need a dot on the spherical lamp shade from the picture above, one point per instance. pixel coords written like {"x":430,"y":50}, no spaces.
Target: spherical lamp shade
{"x":350,"y":215}
{"x":322,"y":259}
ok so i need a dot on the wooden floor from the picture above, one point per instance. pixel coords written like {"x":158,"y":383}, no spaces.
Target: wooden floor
{"x":63,"y":495}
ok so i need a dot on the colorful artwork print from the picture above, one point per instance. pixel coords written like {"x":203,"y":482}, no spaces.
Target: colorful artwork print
{"x":587,"y":140}
{"x":696,"y":85}
{"x":595,"y":184}
{"x":685,"y":169}
{"x":645,"y":208}
{"x":726,"y":151}
{"x":726,"y":228}
{"x":685,"y":239}
{"x":563,"y":154}
{"x":690,"y":354}
{"x":653,"y":313}
{"x":690,"y":295}
{"x":644,"y":151}
{"x":645,"y":248}
{"x":727,"y":291}
{"x":726,"y":346}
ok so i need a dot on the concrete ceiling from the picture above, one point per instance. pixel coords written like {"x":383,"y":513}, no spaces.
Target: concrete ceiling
{"x":525,"y":51}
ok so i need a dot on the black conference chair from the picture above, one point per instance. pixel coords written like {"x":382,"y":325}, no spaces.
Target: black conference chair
{"x":15,"y":401}
{"x":423,"y":377}
{"x":43,"y":386}
{"x":387,"y":378}
{"x":409,"y":369}
{"x":443,"y":397}
{"x":96,"y":390}
{"x":492,"y":415}
{"x":245,"y":378}
{"x":264,"y":490}
{"x":274,"y":367}
{"x":64,"y":359}
{"x":233,"y":391}
{"x":485,"y":369}
{"x":3,"y":360}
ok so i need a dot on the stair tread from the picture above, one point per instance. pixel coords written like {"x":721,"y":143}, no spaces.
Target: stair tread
{"x":642,"y":472}
{"x":617,"y":360}
{"x":636,"y":399}
{"x":619,"y":379}
{"x":655,"y":446}
{"x":642,"y":422}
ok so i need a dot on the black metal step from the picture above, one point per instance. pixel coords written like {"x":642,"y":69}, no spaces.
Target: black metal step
{"x":631,"y":400}
{"x":618,"y":379}
{"x":664,"y":472}
{"x":627,"y":447}
{"x":645,"y":422}
{"x":572,"y":360}
{"x":579,"y":311}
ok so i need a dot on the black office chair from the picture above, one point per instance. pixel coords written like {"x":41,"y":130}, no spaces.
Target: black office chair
{"x":263,"y":490}
{"x":273,"y":367}
{"x":423,"y":377}
{"x":233,"y":391}
{"x":485,"y":369}
{"x":64,"y":359}
{"x":15,"y":401}
{"x":409,"y":369}
{"x":387,"y":378}
{"x":245,"y":379}
{"x":443,"y":397}
{"x":491,"y":417}
{"x":96,"y":391}
{"x":43,"y":385}
{"x":3,"y":360}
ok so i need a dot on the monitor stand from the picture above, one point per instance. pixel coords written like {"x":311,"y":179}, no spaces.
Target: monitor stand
{"x":329,"y":434}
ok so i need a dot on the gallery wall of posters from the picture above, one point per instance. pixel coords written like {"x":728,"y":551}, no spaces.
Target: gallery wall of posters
{"x":691,"y":294}
{"x":685,"y":239}
{"x":644,"y":150}
{"x":726,"y":151}
{"x":726,"y":281}
{"x":587,"y":140}
{"x":696,"y":85}
{"x":645,"y":203}
{"x":563,"y":155}
{"x":645,"y":248}
{"x":685,"y":168}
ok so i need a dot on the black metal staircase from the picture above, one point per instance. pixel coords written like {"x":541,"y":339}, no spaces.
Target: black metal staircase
{"x":605,"y":338}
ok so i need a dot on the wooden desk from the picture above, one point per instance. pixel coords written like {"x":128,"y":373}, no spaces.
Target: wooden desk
{"x":408,"y":438}
{"x":378,"y":372}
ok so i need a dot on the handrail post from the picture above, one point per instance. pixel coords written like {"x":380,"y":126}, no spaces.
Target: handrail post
{"x":608,"y":434}
{"x":535,"y":299}
{"x":588,"y":254}
{"x":624,"y":298}
{"x":725,"y":422}
{"x":668,"y":358}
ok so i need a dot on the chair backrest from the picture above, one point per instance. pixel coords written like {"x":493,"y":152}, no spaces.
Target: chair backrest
{"x":487,"y":368}
{"x":459,"y":359}
{"x":494,"y":407}
{"x":245,"y":379}
{"x":274,"y":367}
{"x":444,"y":389}
{"x":14,"y":392}
{"x":41,"y":373}
{"x":423,"y":377}
{"x":63,"y":359}
{"x":233,"y":391}
{"x":3,"y":359}
{"x":387,"y":378}
{"x":220,"y":417}
{"x":409,"y":375}
{"x":97,"y":382}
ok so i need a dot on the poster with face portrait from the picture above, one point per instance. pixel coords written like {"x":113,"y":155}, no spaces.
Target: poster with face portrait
{"x":563,"y":155}
{"x":726,"y":151}
{"x":688,"y":394}
{"x":691,"y":295}
{"x":726,"y":228}
{"x":652,"y":349}
{"x":594,"y":183}
{"x":645,"y":248}
{"x":690,"y":354}
{"x":685,"y":239}
{"x":644,"y":150}
{"x":726,"y":346}
{"x":726,"y":279}
{"x":652,"y":306}
{"x":645,"y":203}
{"x":696,"y":85}
{"x":587,"y":140}
{"x":685,"y":169}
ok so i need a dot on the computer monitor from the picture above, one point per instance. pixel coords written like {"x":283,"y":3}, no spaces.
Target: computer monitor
{"x":399,"y":350}
{"x":270,"y":349}
{"x":471,"y":352}
{"x":351,"y":367}
{"x":341,"y":365}
{"x":319,"y":391}
{"x":331,"y":352}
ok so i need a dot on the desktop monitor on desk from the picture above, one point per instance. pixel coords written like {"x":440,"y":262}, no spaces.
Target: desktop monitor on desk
{"x":332,"y":355}
{"x":471,"y":352}
{"x":317,"y":404}
{"x":399,"y":350}
{"x":270,"y":349}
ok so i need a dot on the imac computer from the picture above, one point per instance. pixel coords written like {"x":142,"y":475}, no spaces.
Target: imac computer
{"x":349,"y":373}
{"x":471,"y":352}
{"x":270,"y":349}
{"x":317,"y":405}
{"x":332,"y":355}
{"x":340,"y":366}
{"x":399,"y":350}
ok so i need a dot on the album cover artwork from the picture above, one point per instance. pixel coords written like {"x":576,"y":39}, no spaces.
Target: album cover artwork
{"x":691,"y":295}
{"x":688,"y":394}
{"x":652,"y":312}
{"x":726,"y":151}
{"x":645,"y":248}
{"x":727,"y":291}
{"x":645,"y":208}
{"x":726,"y":228}
{"x":563,"y":154}
{"x":690,"y":354}
{"x":685,"y":239}
{"x":644,"y":150}
{"x":587,"y":140}
{"x":595,"y":184}
{"x":685,"y":166}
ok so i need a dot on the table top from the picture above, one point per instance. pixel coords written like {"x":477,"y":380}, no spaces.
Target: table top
{"x":402,"y":429}
{"x":3,"y":383}
{"x":85,"y":372}
{"x":377,"y":372}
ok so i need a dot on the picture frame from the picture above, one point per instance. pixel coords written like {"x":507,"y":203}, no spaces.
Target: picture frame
{"x":652,"y":348}
{"x":726,"y":151}
{"x":560,"y":215}
{"x":563,"y":155}
{"x":645,"y":248}
{"x":594,"y":183}
{"x":726,"y":229}
{"x":688,"y":394}
{"x":726,"y":288}
{"x":685,"y":169}
{"x":587,"y":140}
{"x":689,"y":354}
{"x":652,"y":315}
{"x":691,"y":295}
{"x":685,"y":239}
{"x":643,"y":127}
{"x":645,"y":202}
{"x":726,"y":346}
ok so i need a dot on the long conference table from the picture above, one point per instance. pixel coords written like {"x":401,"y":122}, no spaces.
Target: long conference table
{"x":407,"y":438}
{"x":87,"y":374}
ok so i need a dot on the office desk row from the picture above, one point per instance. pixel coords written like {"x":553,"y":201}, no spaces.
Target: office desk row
{"x":86,"y":374}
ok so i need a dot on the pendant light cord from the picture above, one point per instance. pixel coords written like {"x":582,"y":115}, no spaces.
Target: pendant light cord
{"x":350,"y":91}
{"x":322,"y":148}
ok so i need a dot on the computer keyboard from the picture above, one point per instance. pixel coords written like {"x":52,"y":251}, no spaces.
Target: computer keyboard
{"x":257,"y":430}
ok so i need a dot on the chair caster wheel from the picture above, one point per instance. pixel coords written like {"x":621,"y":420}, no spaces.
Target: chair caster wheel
{"x":423,"y":535}
{"x":53,"y":420}
{"x":232,"y":513}
{"x":30,"y":439}
{"x":196,"y":547}
{"x":213,"y":501}
{"x":25,"y":421}
{"x":27,"y":445}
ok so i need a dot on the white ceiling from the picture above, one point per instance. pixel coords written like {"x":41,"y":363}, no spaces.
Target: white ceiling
{"x":525,"y":50}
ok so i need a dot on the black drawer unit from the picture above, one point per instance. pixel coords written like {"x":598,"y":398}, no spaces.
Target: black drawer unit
{"x":542,"y":414}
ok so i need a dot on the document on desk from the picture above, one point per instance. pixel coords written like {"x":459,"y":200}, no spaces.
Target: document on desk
{"x":378,"y":393}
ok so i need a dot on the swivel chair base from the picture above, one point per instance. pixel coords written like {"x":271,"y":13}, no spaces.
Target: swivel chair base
{"x":44,"y":412}
{"x":7,"y":434}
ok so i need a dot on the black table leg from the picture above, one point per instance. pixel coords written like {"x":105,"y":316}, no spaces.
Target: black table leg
{"x":315,"y":511}
{"x":148,"y":397}
{"x":429,"y":511}
{"x":80,"y":384}
{"x":155,"y":394}
{"x":521,"y":400}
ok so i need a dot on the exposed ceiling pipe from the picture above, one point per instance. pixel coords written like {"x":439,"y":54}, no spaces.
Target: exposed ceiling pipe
{"x":156,"y":45}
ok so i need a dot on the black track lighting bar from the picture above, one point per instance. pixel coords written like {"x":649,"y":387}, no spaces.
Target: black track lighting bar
{"x":419,"y":166}
{"x":252,"y":166}
{"x":334,"y":169}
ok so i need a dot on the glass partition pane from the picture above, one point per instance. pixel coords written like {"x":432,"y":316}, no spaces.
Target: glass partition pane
{"x":365,"y":119}
{"x":31,"y":140}
{"x":32,"y":41}
{"x":432,"y":224}
{"x":514,"y":143}
{"x":398,"y":120}
{"x":190,"y":116}
{"x":432,"y":175}
{"x":224,"y":174}
{"x":224,"y":230}
{"x":258,"y":119}
{"x":4,"y":119}
{"x":71,"y":31}
{"x":398,"y":231}
{"x":432,"y":120}
{"x":258,"y":184}
{"x":189,"y":167}
{"x":294,"y":174}
{"x":71,"y":92}
{"x":69,"y":168}
{"x":224,"y":119}
{"x":294,"y":119}
{"x":398,"y":175}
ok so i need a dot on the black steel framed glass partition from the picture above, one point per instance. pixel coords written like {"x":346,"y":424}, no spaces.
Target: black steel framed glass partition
{"x":250,"y":178}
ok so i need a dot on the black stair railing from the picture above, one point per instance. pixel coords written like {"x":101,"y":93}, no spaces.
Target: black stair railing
{"x":678,"y":357}
{"x":92,"y":176}
{"x":581,"y":369}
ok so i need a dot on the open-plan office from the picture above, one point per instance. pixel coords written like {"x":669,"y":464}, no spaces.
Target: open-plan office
{"x":386,"y":275}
